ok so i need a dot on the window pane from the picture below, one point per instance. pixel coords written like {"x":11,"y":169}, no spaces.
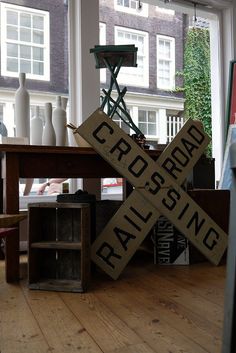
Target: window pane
{"x":38,"y":68}
{"x":125,"y":127}
{"x":142,"y":115}
{"x":120,"y":34}
{"x":25,"y":35}
{"x":38,"y":37}
{"x":25,"y":52}
{"x":12,"y":50}
{"x":152,"y":129}
{"x":38,"y":54}
{"x":167,"y":50}
{"x":25,"y":66}
{"x":152,"y":117}
{"x":12,"y":65}
{"x":143,"y":128}
{"x":38,"y":22}
{"x":126,"y":3}
{"x":12,"y":33}
{"x":133,"y":4}
{"x":25,"y":20}
{"x":12,"y":18}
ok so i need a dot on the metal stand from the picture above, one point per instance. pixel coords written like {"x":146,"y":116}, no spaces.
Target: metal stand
{"x":113,"y":57}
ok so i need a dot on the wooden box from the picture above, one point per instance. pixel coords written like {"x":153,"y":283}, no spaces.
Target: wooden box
{"x":59,"y":246}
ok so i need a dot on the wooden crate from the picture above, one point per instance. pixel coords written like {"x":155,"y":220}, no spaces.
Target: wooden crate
{"x":59,"y":246}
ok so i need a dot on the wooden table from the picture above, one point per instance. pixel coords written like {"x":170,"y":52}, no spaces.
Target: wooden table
{"x":24,"y":161}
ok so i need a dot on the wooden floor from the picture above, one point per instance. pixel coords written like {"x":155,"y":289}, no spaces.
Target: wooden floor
{"x":149,"y":309}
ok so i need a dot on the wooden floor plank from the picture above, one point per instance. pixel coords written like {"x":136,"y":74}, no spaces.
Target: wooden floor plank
{"x":135,"y":348}
{"x":150,"y":309}
{"x":19,"y":331}
{"x":178,"y":293}
{"x":167,"y":327}
{"x":206,"y":285}
{"x":63,"y":331}
{"x":103,"y":325}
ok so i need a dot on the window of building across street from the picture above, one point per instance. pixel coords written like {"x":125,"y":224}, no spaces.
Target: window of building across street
{"x":134,"y":76}
{"x":165,"y":62}
{"x":147,"y":122}
{"x":132,"y":7}
{"x":24,"y":41}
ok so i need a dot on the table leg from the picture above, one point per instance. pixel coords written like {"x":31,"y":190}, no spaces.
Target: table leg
{"x":10,"y":174}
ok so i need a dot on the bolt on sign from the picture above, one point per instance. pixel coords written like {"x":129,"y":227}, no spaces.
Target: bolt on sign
{"x":157,"y":191}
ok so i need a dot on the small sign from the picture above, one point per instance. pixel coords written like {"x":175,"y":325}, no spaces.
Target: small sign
{"x":156,"y":192}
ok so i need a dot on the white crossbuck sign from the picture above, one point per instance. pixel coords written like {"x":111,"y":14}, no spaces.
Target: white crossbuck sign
{"x":157,"y":191}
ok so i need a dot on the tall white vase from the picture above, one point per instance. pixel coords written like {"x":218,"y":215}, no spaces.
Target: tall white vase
{"x":59,"y":123}
{"x":22,"y":109}
{"x":36,"y":128}
{"x":49,"y":136}
{"x":64,"y":101}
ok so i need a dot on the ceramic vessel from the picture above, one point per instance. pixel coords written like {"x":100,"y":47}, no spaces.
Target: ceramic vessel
{"x":59,"y":123}
{"x":22,"y":109}
{"x":64,"y":101}
{"x":49,"y":136}
{"x":36,"y":128}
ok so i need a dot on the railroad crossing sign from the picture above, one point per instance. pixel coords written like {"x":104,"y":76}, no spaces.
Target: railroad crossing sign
{"x":157,"y":191}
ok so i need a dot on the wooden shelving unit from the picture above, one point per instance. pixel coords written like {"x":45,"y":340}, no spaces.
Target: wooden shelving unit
{"x":59,"y":246}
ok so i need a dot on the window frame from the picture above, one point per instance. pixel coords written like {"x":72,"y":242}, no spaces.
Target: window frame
{"x":125,"y":71}
{"x":45,"y":46}
{"x":171,"y":40}
{"x":134,"y":113}
{"x":143,"y":11}
{"x":147,"y":110}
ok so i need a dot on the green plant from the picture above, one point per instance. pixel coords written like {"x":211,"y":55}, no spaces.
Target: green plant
{"x":196,"y":74}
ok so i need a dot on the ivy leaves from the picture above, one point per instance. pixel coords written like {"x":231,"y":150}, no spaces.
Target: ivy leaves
{"x":196,"y":74}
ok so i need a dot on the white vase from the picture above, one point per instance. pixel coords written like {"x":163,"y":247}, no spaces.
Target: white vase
{"x":49,"y":136}
{"x":59,"y":123}
{"x":22,"y":109}
{"x":64,"y":101}
{"x":36,"y":128}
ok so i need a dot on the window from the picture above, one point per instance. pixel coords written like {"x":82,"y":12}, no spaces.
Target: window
{"x":121,"y":123}
{"x":165,"y":62}
{"x":132,"y":7}
{"x":147,"y":122}
{"x":134,"y":76}
{"x":24,"y":42}
{"x":102,"y":40}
